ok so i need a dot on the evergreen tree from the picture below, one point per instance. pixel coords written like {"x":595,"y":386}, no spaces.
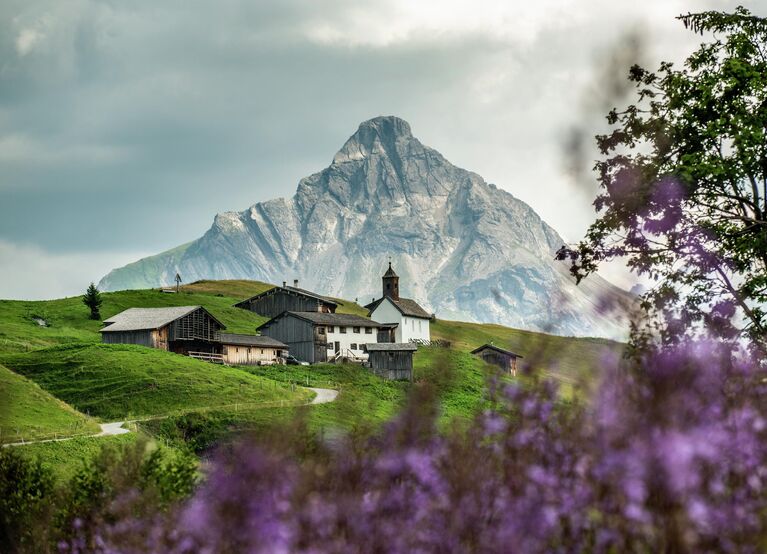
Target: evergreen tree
{"x":92,"y":299}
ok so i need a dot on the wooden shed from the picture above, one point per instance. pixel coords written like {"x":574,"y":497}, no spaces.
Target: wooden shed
{"x":321,"y":337}
{"x":181,"y":329}
{"x":504,"y":359}
{"x":252,"y":350}
{"x":393,"y":360}
{"x":277,"y":300}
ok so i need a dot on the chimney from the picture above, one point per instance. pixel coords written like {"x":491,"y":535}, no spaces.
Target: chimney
{"x":295,"y":283}
{"x":284,"y":284}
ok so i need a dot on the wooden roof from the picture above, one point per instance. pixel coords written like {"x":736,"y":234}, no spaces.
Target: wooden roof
{"x":391,"y":347}
{"x":290,"y":290}
{"x":142,"y":319}
{"x":497,"y":349}
{"x":251,"y":340}
{"x":320,"y":318}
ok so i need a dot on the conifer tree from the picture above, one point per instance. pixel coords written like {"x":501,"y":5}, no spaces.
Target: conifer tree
{"x":92,"y":299}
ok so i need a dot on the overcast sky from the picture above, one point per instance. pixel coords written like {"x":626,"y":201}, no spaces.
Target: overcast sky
{"x":125,"y":126}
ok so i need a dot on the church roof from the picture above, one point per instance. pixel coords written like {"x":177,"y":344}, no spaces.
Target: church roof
{"x":390,"y":272}
{"x":406,"y":306}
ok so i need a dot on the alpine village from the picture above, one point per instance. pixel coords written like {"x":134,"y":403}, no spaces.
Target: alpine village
{"x":303,"y":329}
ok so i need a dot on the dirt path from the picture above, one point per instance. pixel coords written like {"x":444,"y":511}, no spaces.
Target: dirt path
{"x":323,"y":396}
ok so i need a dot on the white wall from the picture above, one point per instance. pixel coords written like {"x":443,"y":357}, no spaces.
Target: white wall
{"x":408,"y":327}
{"x":349,"y":338}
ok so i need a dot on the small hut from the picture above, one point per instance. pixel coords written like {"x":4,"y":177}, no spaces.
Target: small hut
{"x":252,"y":349}
{"x":504,"y":359}
{"x":391,"y":360}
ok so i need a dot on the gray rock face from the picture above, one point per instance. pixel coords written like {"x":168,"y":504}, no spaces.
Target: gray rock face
{"x":462,"y":247}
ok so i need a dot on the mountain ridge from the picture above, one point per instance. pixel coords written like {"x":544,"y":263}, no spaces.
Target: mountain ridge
{"x":464,"y":248}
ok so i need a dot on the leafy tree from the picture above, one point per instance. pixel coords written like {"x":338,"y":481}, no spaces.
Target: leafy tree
{"x":92,"y":299}
{"x":683,"y":178}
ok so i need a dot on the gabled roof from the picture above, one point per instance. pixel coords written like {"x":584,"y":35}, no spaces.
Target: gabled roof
{"x":496,"y":348}
{"x":294,"y":290}
{"x":141,"y":319}
{"x":391,"y":347}
{"x":405,"y":306}
{"x":251,"y":340}
{"x":320,"y":318}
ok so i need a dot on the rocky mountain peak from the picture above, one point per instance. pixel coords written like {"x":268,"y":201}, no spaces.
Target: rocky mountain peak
{"x":380,"y":135}
{"x":463,"y":249}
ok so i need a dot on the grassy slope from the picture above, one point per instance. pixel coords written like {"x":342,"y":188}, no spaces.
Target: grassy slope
{"x":65,"y":458}
{"x":28,"y":412}
{"x":567,"y":359}
{"x":459,"y":376}
{"x":125,"y":381}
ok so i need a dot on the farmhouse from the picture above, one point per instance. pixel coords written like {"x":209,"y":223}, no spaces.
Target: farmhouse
{"x":320,"y":337}
{"x":504,"y":359}
{"x":391,"y":360}
{"x":277,"y":300}
{"x":181,"y":329}
{"x":411,"y":319}
{"x":251,"y":350}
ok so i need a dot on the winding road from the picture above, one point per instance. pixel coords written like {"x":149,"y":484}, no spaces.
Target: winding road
{"x":323,"y":396}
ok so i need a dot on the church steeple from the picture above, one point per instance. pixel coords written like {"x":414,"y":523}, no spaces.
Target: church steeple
{"x":390,"y":284}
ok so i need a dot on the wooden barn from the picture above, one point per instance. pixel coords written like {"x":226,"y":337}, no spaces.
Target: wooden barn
{"x":252,"y":350}
{"x":504,"y":359}
{"x":181,"y":329}
{"x":277,"y":300}
{"x":320,"y":337}
{"x":392,"y":360}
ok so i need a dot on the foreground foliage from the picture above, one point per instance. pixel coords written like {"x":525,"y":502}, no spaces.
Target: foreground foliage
{"x":670,"y":456}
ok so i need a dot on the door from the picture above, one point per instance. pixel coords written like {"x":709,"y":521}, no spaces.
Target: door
{"x":336,"y":347}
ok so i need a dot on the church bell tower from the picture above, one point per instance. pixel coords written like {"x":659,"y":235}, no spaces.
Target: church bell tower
{"x":390,"y":284}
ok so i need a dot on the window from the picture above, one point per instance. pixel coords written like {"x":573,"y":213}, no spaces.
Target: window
{"x":353,"y":346}
{"x":419,"y":324}
{"x":331,"y":329}
{"x":262,"y":351}
{"x":342,"y":330}
{"x":356,"y":330}
{"x":237,"y":350}
{"x":412,"y":324}
{"x":368,"y":330}
{"x":320,"y":330}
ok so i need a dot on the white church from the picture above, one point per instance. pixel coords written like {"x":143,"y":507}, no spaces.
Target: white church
{"x":411,"y":319}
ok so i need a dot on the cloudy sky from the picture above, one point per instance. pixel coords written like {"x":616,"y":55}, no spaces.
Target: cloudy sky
{"x":125,"y":126}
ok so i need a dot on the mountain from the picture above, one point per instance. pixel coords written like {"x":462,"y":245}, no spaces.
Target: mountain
{"x":463,"y":248}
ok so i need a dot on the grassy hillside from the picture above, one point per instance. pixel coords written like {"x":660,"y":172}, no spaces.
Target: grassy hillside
{"x":568,"y":359}
{"x":125,"y":381}
{"x":65,"y":458}
{"x":29,"y":412}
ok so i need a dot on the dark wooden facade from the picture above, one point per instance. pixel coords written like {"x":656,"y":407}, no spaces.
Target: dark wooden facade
{"x":301,"y":336}
{"x":500,"y":357}
{"x":287,"y":299}
{"x":393,"y":361}
{"x":144,"y":337}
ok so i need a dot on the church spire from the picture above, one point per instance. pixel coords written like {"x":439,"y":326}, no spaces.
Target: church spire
{"x":390,"y":282}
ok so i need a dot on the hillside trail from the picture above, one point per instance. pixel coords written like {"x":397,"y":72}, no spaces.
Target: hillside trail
{"x":323,"y":396}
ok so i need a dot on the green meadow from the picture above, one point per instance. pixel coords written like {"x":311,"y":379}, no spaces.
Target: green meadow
{"x":59,"y":376}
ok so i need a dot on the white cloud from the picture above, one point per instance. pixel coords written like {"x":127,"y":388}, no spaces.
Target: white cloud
{"x":31,"y":273}
{"x":26,"y":41}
